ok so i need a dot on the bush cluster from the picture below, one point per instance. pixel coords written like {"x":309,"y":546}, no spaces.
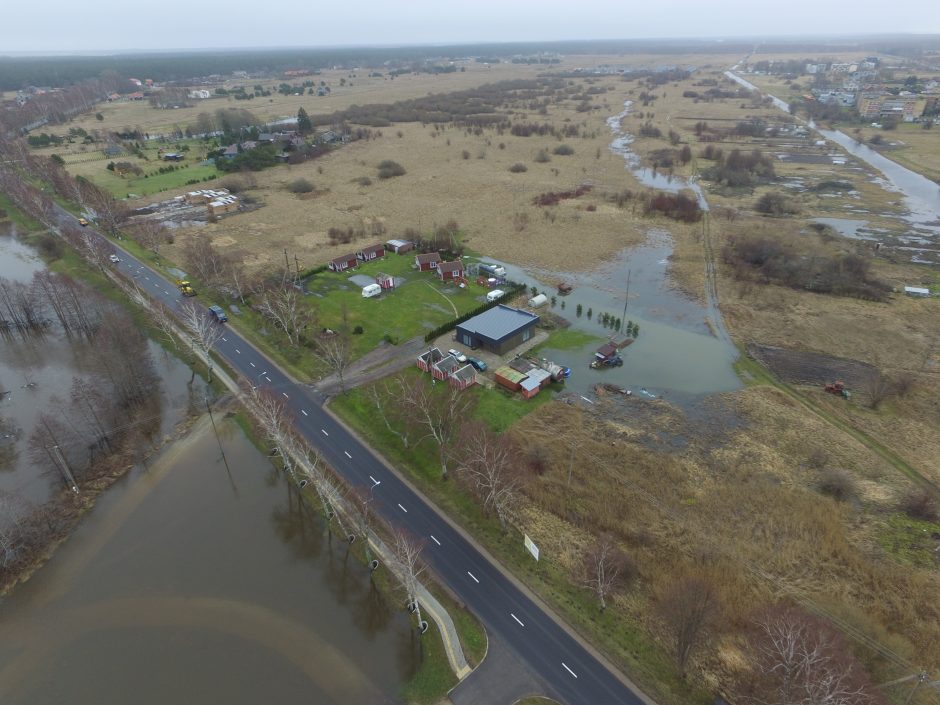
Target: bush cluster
{"x":771,"y":261}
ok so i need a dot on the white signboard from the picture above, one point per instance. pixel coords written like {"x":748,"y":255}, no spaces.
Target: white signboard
{"x":531,"y":547}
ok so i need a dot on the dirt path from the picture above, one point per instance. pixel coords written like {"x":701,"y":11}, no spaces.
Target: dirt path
{"x":381,"y":362}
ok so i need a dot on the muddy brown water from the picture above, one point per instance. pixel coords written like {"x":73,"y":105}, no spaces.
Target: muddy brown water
{"x":34,"y":369}
{"x":193,"y":583}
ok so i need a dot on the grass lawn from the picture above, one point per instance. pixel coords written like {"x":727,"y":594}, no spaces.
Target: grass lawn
{"x":567,"y":339}
{"x":144,"y":185}
{"x":422,"y":303}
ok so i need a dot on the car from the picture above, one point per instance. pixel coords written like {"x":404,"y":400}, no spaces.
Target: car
{"x":114,"y":258}
{"x":459,"y":355}
{"x":82,"y":222}
{"x":477,"y":363}
{"x":218,"y":314}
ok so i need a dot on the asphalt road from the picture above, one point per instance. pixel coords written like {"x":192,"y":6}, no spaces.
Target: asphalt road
{"x":571,"y":673}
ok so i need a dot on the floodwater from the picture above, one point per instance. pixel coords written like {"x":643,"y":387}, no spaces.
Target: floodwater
{"x":645,"y":175}
{"x":679,"y":352}
{"x":193,"y":582}
{"x":37,"y":368}
{"x":921,"y":195}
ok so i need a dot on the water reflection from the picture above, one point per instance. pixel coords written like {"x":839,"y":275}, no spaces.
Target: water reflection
{"x":177,"y":590}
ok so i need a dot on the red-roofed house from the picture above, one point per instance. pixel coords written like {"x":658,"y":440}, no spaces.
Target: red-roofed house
{"x":428,"y":261}
{"x":341,"y":264}
{"x":367,"y":254}
{"x":448,"y":271}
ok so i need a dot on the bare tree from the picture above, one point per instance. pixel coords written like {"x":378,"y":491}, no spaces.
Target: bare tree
{"x":107,"y":210}
{"x":336,"y":351}
{"x":283,"y":305}
{"x":798,"y":659}
{"x":407,"y":555}
{"x":388,"y":411}
{"x":437,"y":413}
{"x":878,"y":388}
{"x":687,"y":608}
{"x":204,"y":262}
{"x":205,"y":330}
{"x":160,"y":315}
{"x":150,"y":234}
{"x":606,"y":568}
{"x":486,"y":464}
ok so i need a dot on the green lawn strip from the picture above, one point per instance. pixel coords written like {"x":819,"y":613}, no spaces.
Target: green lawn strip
{"x":400,"y":314}
{"x":23,"y":221}
{"x":759,"y":375}
{"x":433,"y":679}
{"x":646,"y":662}
{"x":567,"y":339}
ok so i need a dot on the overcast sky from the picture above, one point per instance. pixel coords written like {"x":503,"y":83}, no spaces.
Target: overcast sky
{"x":103,"y":25}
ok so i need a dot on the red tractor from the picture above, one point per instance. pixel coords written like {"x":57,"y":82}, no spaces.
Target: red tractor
{"x":838,"y":388}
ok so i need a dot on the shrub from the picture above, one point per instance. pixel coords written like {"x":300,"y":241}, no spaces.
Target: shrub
{"x":919,"y":504}
{"x":389,"y":169}
{"x":363,"y":181}
{"x":300,"y":186}
{"x":518,"y":168}
{"x":357,"y":330}
{"x":542,"y":157}
{"x":837,"y":484}
{"x":465,"y":154}
{"x":563,"y":150}
{"x":775,"y":203}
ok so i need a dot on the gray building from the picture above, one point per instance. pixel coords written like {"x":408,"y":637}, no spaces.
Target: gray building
{"x":498,"y":330}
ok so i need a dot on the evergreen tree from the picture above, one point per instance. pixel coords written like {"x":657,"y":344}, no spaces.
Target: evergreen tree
{"x":304,"y":124}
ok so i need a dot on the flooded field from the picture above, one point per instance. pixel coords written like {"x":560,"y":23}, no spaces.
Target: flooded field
{"x":37,"y":369}
{"x":193,"y":582}
{"x":677,"y":352}
{"x":920,"y":237}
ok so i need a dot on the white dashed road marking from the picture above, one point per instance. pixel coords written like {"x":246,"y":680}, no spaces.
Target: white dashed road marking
{"x":250,"y":363}
{"x":323,"y":431}
{"x":568,"y":669}
{"x":435,"y":540}
{"x":304,"y":412}
{"x":474,"y":577}
{"x":402,"y":508}
{"x":224,"y":340}
{"x":347,"y":454}
{"x":238,"y":351}
{"x":285,"y":395}
{"x":517,"y":619}
{"x":374,"y":481}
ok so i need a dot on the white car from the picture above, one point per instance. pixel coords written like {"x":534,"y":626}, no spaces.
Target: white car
{"x":114,"y":258}
{"x":459,"y":355}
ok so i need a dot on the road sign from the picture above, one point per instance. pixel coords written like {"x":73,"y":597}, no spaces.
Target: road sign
{"x":531,"y":547}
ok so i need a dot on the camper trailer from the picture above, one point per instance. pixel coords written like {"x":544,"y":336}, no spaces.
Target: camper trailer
{"x":371,"y":290}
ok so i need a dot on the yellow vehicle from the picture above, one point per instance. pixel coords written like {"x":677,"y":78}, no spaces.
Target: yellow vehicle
{"x":82,"y":222}
{"x":185,"y":287}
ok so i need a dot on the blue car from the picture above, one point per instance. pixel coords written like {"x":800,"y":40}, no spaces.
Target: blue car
{"x":477,"y":363}
{"x":218,"y":314}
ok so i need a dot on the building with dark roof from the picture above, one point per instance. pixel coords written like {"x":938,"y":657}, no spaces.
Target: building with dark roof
{"x":498,"y":330}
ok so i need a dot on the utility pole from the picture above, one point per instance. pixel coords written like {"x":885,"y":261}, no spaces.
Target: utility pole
{"x":63,"y":467}
{"x":626,"y":302}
